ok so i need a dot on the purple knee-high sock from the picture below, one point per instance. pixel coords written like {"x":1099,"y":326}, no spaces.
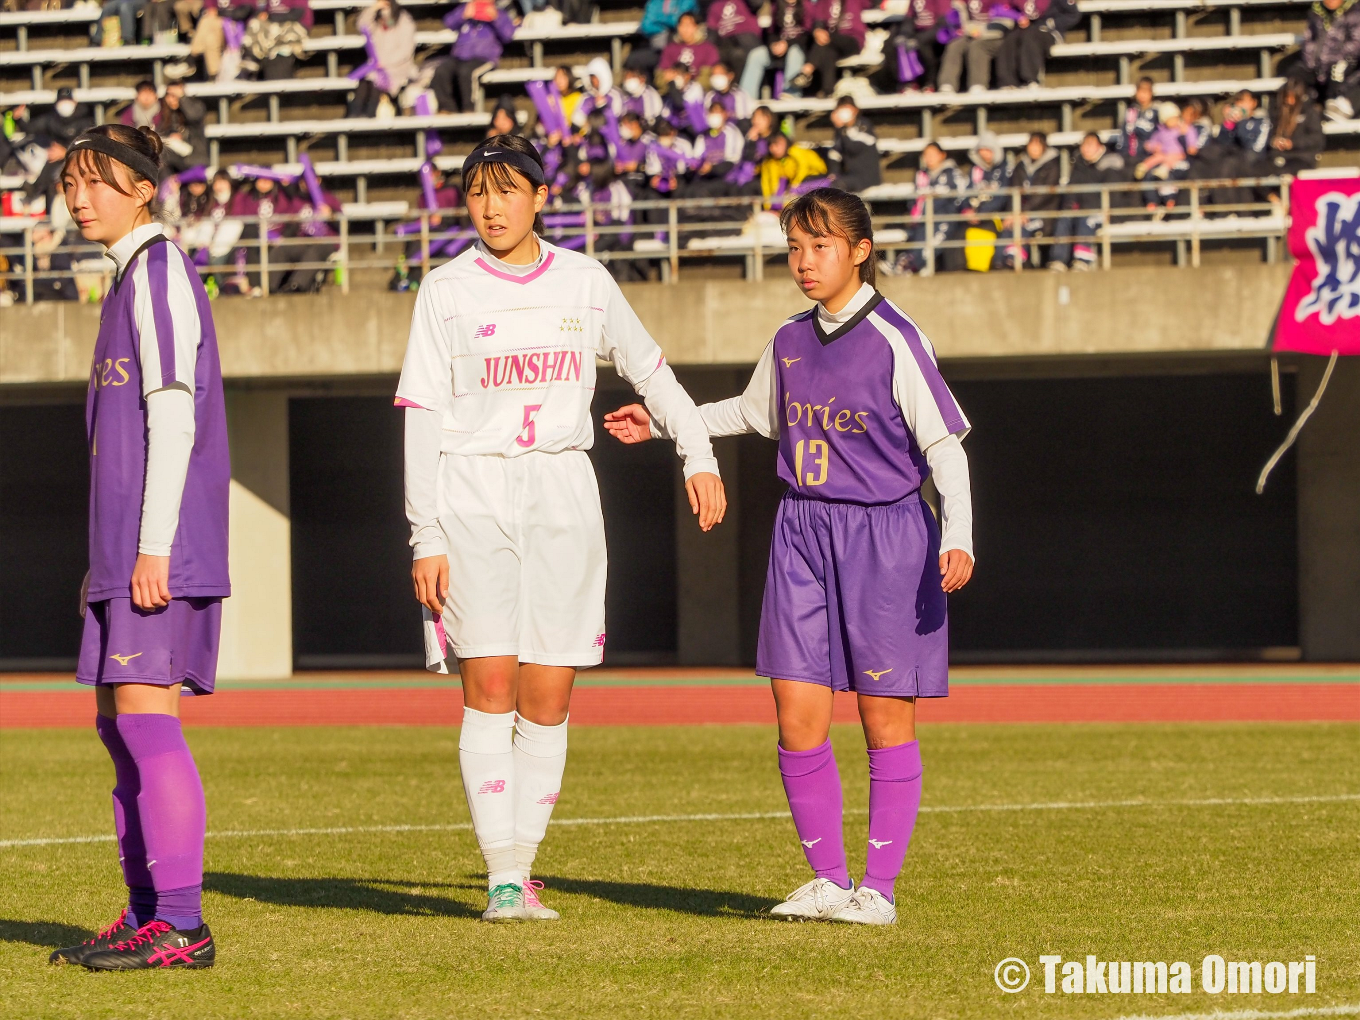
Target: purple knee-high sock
{"x":173,"y":815}
{"x":813,"y":785}
{"x":128,"y":825}
{"x":894,"y":799}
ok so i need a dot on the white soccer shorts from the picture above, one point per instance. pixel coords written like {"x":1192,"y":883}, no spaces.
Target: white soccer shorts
{"x":527,"y":559}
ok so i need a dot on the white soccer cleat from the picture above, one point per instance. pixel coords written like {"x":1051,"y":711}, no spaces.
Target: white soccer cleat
{"x":819,"y":900}
{"x":867,"y":906}
{"x":533,"y":909}
{"x":505,"y":903}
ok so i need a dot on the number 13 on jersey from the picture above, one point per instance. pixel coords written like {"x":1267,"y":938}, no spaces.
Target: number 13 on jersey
{"x":819,"y":453}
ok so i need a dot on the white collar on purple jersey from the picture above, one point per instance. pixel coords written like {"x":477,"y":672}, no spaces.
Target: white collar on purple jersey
{"x":830,"y":320}
{"x":122,"y":251}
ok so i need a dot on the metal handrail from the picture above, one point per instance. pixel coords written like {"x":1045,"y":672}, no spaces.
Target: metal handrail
{"x":670,"y":234}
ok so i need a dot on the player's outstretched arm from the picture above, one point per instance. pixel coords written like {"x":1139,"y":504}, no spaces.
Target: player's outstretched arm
{"x":629,"y":424}
{"x":707,"y":495}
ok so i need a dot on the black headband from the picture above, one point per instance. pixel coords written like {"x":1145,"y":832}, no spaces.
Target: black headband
{"x":120,"y":151}
{"x":490,"y":152}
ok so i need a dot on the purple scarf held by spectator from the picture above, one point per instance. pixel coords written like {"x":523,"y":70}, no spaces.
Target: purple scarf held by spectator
{"x":371,"y":65}
{"x":548,"y":102}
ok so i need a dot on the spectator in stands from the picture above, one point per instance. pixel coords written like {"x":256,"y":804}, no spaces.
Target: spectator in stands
{"x":613,"y":208}
{"x":599,"y":93}
{"x":180,"y":125}
{"x":938,"y":183}
{"x":1331,"y":55}
{"x":1296,"y":138}
{"x":659,"y":19}
{"x":125,"y":12}
{"x":630,"y":153}
{"x":568,"y":94}
{"x":735,"y":30}
{"x":722,"y":90}
{"x":275,"y":38}
{"x":145,"y":108}
{"x":1037,"y":168}
{"x":683,"y":99}
{"x":504,"y":120}
{"x":853,"y":156}
{"x":1095,"y":164}
{"x":1023,"y":52}
{"x":1168,"y":156}
{"x":47,"y":259}
{"x":717,"y":152}
{"x":988,"y":178}
{"x":784,"y":47}
{"x":47,"y":184}
{"x":63,"y":122}
{"x":260,"y":201}
{"x":639,"y":97}
{"x":836,"y":31}
{"x":1140,"y":120}
{"x":786,"y":166}
{"x":689,"y":47}
{"x":668,"y":161}
{"x":916,"y":34}
{"x":158,"y":22}
{"x":975,"y":39}
{"x":391,"y":34}
{"x":483,"y":30}
{"x":187,"y":14}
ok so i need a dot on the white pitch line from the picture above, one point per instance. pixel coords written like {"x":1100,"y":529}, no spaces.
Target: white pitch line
{"x":342,"y":830}
{"x":1254,"y":1014}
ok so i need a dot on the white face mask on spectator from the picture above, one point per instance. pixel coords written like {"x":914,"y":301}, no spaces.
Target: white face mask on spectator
{"x":719,"y":82}
{"x":222,"y":194}
{"x":634,"y":86}
{"x":716,"y":121}
{"x":66,"y":107}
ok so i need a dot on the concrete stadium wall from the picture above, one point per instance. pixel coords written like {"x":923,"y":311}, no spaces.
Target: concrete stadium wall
{"x":726,"y":322}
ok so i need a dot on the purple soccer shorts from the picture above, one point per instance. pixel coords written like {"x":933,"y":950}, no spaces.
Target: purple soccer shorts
{"x":176,"y":643}
{"x":853,"y":598}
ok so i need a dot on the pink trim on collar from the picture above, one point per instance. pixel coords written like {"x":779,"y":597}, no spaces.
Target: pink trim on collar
{"x":526,"y":278}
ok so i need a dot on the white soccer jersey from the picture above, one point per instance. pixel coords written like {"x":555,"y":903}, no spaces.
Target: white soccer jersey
{"x":506,"y":354}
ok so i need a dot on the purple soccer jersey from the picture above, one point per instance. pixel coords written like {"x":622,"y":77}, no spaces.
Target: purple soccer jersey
{"x":842,"y":434}
{"x":115,"y":418}
{"x":852,"y":595}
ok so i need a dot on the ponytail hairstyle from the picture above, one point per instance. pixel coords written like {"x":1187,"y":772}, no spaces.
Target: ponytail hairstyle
{"x":137,"y":150}
{"x":500,"y":174}
{"x":830,"y":212}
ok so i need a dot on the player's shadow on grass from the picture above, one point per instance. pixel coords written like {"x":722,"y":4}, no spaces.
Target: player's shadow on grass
{"x":704,"y":902}
{"x":378,"y":895}
{"x":42,"y":933}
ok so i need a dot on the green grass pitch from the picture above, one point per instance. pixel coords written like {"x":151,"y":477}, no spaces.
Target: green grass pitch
{"x":666,"y":918}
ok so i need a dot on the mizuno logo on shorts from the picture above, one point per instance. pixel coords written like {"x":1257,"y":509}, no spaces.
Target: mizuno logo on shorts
{"x":876,"y":675}
{"x":493,"y":786}
{"x":483,"y":331}
{"x":123,"y":660}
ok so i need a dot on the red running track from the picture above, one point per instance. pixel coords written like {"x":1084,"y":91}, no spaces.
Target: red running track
{"x":672,"y":705}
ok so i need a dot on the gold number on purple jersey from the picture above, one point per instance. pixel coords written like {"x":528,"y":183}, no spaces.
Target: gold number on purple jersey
{"x":820,"y":451}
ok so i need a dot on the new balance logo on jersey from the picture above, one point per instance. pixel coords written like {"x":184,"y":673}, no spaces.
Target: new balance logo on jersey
{"x":534,"y":368}
{"x":548,"y":799}
{"x":876,"y":676}
{"x":810,"y":843}
{"x":879,"y":844}
{"x":483,"y":331}
{"x":123,"y":660}
{"x":493,"y":786}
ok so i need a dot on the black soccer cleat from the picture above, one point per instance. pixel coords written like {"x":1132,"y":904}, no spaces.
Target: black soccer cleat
{"x":115,"y":932}
{"x":155,"y":945}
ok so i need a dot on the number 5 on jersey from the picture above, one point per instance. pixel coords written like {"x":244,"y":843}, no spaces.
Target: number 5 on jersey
{"x":527,"y":435}
{"x":820,"y":452}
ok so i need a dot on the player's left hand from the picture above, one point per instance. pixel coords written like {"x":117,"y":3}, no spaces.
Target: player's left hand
{"x":956,"y":566}
{"x":151,"y":582}
{"x":707,"y":498}
{"x":630,"y":424}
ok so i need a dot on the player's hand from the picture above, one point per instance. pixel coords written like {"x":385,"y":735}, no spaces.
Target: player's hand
{"x":707,"y":498}
{"x":151,"y":582}
{"x":84,"y":594}
{"x":956,"y":567}
{"x":430,"y":574}
{"x":631,"y":424}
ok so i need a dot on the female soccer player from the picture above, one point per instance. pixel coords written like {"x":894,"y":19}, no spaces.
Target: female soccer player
{"x":855,"y":593}
{"x":159,"y":477}
{"x":504,"y":508}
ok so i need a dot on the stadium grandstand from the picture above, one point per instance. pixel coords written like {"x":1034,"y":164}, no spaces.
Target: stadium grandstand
{"x":312,"y":159}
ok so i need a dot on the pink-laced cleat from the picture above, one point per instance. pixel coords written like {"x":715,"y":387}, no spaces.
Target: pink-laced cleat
{"x":533,"y":909}
{"x":116,"y":932}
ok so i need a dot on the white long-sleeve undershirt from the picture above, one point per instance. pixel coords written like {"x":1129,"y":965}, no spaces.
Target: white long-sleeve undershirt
{"x":424,"y":431}
{"x":169,"y":443}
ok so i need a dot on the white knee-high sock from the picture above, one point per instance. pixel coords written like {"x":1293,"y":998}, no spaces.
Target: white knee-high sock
{"x":488,"y":767}
{"x":540,"y":756}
